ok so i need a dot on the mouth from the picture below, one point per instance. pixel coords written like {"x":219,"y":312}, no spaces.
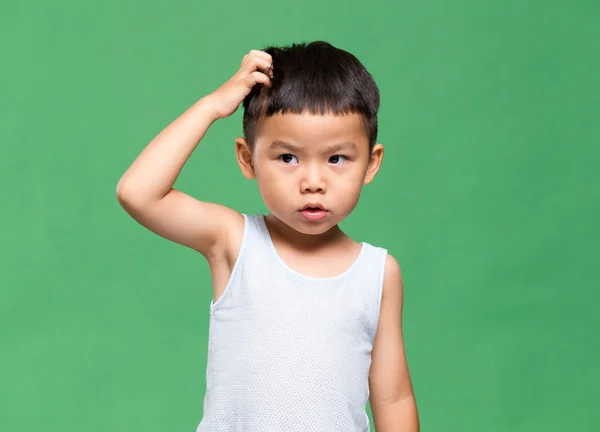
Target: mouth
{"x":313,"y":212}
{"x":313,"y":206}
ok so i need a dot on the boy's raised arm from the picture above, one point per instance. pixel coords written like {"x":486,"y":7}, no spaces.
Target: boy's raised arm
{"x":146,"y":189}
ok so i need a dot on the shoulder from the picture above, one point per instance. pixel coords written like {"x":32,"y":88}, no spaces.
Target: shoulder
{"x":237,"y":226}
{"x":389,"y":269}
{"x":392,"y":277}
{"x":230,"y":237}
{"x":392,"y":268}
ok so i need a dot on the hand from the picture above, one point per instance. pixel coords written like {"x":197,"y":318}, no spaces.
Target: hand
{"x":256,"y":68}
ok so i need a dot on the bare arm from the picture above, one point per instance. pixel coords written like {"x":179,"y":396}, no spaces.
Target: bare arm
{"x":392,"y":398}
{"x":146,"y":189}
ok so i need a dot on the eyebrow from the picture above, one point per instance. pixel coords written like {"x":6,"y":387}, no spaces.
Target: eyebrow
{"x":284,"y":145}
{"x":345,"y":145}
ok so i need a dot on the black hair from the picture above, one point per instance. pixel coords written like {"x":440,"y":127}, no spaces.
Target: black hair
{"x":315,"y":78}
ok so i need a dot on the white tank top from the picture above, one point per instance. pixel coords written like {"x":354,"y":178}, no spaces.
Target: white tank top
{"x":288,"y":352}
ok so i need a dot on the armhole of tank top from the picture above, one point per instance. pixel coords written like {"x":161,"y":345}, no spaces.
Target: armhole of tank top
{"x":383,"y":254}
{"x":216,"y":305}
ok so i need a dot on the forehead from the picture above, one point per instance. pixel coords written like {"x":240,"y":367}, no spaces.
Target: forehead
{"x":314,"y":130}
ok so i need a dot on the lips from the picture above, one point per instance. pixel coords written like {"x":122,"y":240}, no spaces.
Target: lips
{"x":313,"y":206}
{"x":313,"y":212}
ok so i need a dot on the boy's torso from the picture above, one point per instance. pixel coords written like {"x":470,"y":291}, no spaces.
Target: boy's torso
{"x":323,"y":261}
{"x":288,"y":351}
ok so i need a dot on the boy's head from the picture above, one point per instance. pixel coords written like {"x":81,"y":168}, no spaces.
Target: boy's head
{"x":315,"y":78}
{"x":310,"y":138}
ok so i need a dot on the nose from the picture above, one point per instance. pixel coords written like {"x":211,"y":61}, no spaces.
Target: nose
{"x":313,"y":181}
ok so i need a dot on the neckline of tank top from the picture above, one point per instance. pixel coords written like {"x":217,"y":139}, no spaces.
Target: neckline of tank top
{"x":297,"y":273}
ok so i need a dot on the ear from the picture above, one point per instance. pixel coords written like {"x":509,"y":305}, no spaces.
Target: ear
{"x":244,"y":158}
{"x":374,"y":163}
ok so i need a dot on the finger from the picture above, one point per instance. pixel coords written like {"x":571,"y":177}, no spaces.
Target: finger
{"x":269,"y":71}
{"x":256,"y":53}
{"x":252,"y":56}
{"x":254,"y":63}
{"x":257,"y":77}
{"x":261,"y":54}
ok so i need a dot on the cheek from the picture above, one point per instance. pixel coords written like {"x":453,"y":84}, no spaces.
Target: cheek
{"x":352,"y":179}
{"x":350,"y":186}
{"x":273,"y":186}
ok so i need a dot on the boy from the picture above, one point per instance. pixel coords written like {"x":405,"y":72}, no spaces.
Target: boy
{"x":305,"y":323}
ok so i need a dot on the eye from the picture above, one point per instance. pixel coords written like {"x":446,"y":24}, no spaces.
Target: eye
{"x":337,"y":159}
{"x":288,"y":159}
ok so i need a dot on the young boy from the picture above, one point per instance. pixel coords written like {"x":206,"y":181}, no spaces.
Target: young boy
{"x":305,"y":322}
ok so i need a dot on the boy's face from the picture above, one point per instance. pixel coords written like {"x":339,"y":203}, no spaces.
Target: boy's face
{"x":314,"y":161}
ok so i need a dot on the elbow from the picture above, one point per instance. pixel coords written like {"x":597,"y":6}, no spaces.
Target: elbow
{"x":134,"y":196}
{"x":121,"y":194}
{"x":125,"y":193}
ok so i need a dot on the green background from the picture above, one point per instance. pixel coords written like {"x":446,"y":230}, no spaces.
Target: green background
{"x":488,"y":197}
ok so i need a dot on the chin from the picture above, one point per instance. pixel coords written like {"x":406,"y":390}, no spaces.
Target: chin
{"x":304,"y":226}
{"x":311,"y":227}
{"x":312,"y":230}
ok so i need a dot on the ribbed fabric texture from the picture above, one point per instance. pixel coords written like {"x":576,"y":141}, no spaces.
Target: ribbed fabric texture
{"x":288,"y":352}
